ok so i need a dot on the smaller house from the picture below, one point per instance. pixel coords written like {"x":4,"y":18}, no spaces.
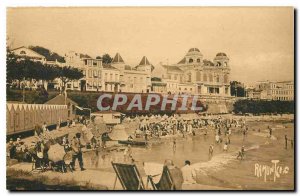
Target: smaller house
{"x":60,"y":100}
{"x":28,"y":53}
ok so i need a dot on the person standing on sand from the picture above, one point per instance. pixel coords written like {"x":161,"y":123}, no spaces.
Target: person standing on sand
{"x":128,"y":154}
{"x":241,"y":153}
{"x":225,"y":148}
{"x":77,"y":153}
{"x":270,"y":131}
{"x":217,"y":137}
{"x":210,"y":151}
{"x":174,"y":145}
{"x":286,"y":141}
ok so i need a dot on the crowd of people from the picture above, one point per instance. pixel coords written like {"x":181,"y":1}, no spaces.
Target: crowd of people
{"x":157,"y":126}
{"x":148,"y":127}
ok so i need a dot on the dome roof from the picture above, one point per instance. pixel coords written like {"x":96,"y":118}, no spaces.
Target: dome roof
{"x":194,"y":50}
{"x":221,"y":54}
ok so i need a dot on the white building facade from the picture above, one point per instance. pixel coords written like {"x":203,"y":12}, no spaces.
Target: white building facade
{"x":271,"y":90}
{"x":195,"y":75}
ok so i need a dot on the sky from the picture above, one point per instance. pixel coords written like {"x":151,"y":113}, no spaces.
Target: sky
{"x":258,"y":40}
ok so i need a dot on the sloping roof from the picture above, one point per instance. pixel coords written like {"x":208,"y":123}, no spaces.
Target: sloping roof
{"x":172,"y":68}
{"x":60,"y":100}
{"x":108,"y":66}
{"x":145,"y":61}
{"x":118,"y":59}
{"x":182,"y":61}
{"x":38,"y":54}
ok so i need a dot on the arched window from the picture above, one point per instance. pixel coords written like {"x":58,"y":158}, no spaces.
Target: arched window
{"x":210,"y":77}
{"x":217,"y":78}
{"x":191,"y":60}
{"x":205,"y":78}
{"x":198,"y":76}
{"x":218,"y":64}
{"x":198,"y":60}
{"x":22,"y":52}
{"x":189,"y":77}
{"x":225,"y":78}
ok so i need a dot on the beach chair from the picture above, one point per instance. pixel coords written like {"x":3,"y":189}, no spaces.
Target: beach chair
{"x":165,"y":183}
{"x":128,"y":176}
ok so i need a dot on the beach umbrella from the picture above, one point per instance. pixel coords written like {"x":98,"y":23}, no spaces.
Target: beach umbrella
{"x":56,"y":153}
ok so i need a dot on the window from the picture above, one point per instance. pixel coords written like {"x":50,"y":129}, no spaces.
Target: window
{"x":225,"y":78}
{"x":205,"y":78}
{"x":90,"y":73}
{"x":217,"y":78}
{"x":95,"y":73}
{"x":198,"y":76}
{"x":94,"y":63}
{"x":105,"y":77}
{"x":210,"y":77}
{"x":175,"y":77}
{"x":198,"y":60}
{"x":189,"y":77}
{"x":191,"y":60}
{"x":111,"y":77}
{"x":212,"y":90}
{"x":99,"y":74}
{"x":23,"y":52}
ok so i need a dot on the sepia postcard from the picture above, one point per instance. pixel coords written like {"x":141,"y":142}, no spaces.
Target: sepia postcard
{"x":150,"y":98}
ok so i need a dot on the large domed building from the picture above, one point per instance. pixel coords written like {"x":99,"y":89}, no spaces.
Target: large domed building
{"x":195,"y":75}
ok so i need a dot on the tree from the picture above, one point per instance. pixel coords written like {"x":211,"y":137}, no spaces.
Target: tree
{"x":237,"y":89}
{"x":11,"y":69}
{"x":68,"y":74}
{"x":50,"y":56}
{"x":106,"y":58}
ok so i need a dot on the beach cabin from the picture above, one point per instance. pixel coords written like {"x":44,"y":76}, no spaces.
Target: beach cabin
{"x":108,"y":117}
{"x":60,"y":100}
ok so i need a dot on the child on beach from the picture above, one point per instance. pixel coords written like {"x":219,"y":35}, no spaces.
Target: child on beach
{"x":225,"y":148}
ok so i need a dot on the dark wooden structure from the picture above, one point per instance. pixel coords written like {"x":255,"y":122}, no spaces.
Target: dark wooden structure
{"x":128,"y":176}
